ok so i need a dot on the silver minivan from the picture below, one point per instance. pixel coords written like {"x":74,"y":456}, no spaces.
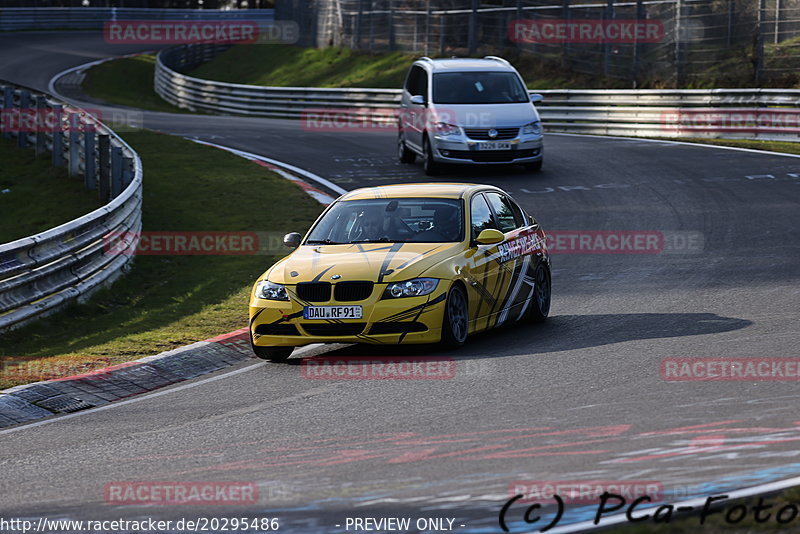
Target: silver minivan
{"x":473,"y":111}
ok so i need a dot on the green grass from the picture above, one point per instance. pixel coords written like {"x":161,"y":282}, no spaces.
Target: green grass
{"x":169,"y":301}
{"x":128,"y":82}
{"x":57,"y":197}
{"x":277,"y":65}
{"x":285,"y":66}
{"x":770,"y":146}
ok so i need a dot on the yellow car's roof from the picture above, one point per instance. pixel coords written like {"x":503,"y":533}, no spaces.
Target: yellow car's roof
{"x":425,"y":190}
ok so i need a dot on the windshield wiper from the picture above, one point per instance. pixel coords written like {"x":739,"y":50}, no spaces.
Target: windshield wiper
{"x":381,"y":240}
{"x":323,"y":242}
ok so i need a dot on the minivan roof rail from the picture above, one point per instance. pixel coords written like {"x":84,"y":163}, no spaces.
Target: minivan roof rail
{"x":497,"y":58}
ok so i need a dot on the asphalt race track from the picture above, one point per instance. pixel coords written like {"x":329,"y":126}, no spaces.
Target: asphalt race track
{"x":578,"y":398}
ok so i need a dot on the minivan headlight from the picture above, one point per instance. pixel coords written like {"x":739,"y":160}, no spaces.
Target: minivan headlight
{"x":271,"y":291}
{"x":443,"y":128}
{"x":532,"y":128}
{"x":412,"y":288}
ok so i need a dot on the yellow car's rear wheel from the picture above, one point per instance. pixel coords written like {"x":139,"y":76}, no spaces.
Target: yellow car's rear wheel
{"x":540,"y":303}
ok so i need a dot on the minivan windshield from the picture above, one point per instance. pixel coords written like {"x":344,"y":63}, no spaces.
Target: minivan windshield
{"x":478,"y":87}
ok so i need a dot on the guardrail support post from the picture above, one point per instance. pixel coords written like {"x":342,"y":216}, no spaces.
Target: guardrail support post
{"x":759,"y":67}
{"x":58,"y":135}
{"x":391,"y":25}
{"x":116,"y":171}
{"x":566,"y":14}
{"x":442,"y":33}
{"x":41,"y":130}
{"x":472,"y":39}
{"x":89,"y":158}
{"x":637,"y":47}
{"x":127,"y":171}
{"x":5,"y":114}
{"x":74,"y":143}
{"x":104,"y":165}
{"x":359,"y":16}
{"x":371,"y":26}
{"x":5,"y":109}
{"x":24,"y":118}
{"x":428,"y":18}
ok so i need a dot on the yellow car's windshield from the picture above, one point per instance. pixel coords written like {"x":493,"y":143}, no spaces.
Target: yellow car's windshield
{"x":391,"y":220}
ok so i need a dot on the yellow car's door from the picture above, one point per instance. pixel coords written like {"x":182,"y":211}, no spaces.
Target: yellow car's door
{"x":487,"y":277}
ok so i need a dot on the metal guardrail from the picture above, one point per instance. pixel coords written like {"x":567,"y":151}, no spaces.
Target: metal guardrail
{"x":713,"y":113}
{"x":93,"y":18}
{"x":42,"y":273}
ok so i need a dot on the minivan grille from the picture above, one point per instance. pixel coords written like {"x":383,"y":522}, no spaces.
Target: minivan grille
{"x":492,"y":155}
{"x":352,"y":291}
{"x":482,"y":134}
{"x":314,"y":291}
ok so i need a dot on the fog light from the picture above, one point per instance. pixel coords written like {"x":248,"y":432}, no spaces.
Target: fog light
{"x":445,"y":153}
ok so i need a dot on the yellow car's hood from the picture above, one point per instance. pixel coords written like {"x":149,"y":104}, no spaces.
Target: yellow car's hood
{"x":377,"y":262}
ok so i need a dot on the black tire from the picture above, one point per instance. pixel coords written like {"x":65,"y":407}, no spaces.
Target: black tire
{"x":273,"y":354}
{"x":430,"y":167}
{"x":539,"y":308}
{"x":456,"y":318}
{"x":404,"y":154}
{"x":535,"y":166}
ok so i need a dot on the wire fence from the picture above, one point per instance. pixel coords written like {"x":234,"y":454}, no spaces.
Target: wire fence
{"x":694,"y":42}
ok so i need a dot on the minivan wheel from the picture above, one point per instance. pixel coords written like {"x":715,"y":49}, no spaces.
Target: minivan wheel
{"x":430,"y":167}
{"x":403,"y":153}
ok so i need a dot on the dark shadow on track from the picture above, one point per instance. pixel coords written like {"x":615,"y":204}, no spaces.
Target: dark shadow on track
{"x":559,"y":333}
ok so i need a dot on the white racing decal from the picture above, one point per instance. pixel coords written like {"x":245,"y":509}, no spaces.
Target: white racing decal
{"x":519,"y":246}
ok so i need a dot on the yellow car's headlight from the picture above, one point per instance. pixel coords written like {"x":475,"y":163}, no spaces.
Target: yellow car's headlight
{"x":412,"y":288}
{"x":271,"y":291}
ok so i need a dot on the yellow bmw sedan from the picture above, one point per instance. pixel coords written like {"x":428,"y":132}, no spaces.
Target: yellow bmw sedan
{"x":409,"y":263}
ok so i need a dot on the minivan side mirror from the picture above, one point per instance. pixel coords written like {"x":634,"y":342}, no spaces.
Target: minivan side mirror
{"x":536,"y":98}
{"x":292,"y":240}
{"x":418,"y":100}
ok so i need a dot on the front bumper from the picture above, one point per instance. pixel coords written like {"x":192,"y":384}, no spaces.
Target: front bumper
{"x":462,"y":150}
{"x":384,"y":321}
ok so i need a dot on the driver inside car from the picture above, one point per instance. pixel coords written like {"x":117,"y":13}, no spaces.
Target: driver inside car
{"x":370,"y":226}
{"x":445,"y":226}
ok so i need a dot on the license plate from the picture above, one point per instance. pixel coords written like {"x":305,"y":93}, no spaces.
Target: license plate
{"x":493,"y":145}
{"x":332,"y":312}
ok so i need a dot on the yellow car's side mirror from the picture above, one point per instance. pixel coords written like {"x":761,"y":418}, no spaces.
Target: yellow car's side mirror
{"x":490,"y":236}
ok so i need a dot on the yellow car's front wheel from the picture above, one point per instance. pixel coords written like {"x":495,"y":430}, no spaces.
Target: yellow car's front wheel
{"x":456,"y":320}
{"x":273,"y":354}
